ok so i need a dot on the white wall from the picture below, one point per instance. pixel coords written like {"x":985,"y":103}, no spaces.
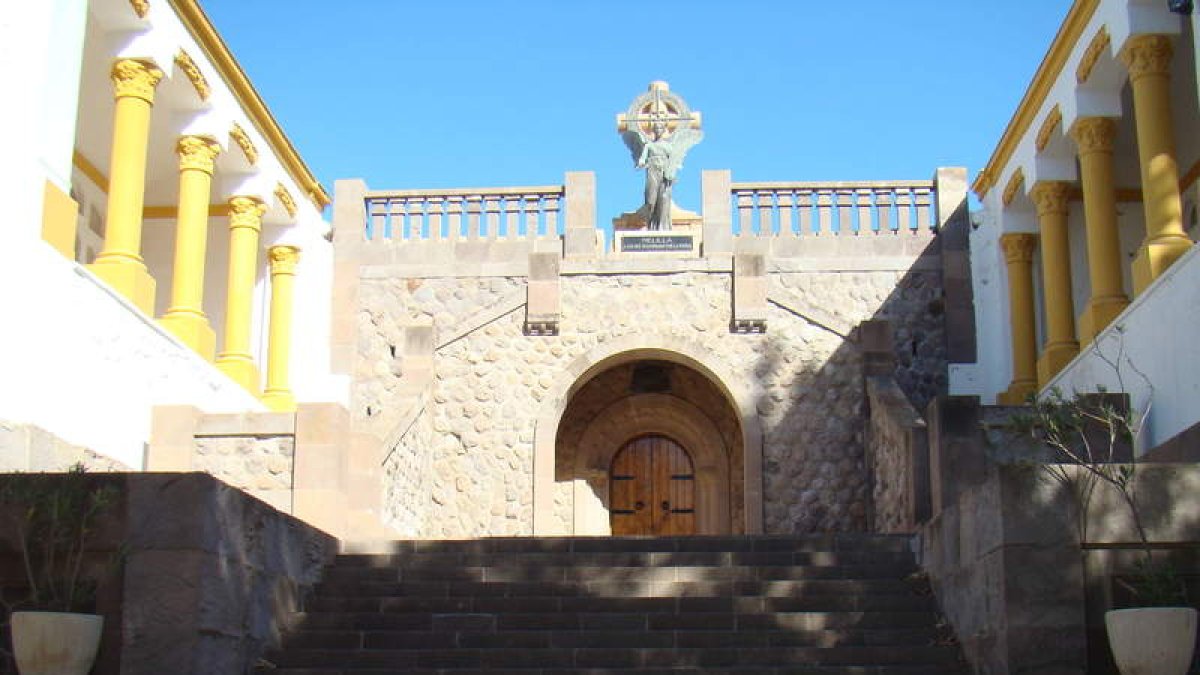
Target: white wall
{"x":1158,"y":336}
{"x":82,"y":364}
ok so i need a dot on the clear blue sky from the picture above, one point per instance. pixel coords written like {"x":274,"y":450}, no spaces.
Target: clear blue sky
{"x":416,"y":94}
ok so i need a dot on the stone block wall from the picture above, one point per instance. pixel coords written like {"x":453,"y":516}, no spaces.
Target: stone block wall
{"x":26,"y":447}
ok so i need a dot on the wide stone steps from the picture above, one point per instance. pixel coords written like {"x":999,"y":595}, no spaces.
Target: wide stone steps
{"x":834,"y":605}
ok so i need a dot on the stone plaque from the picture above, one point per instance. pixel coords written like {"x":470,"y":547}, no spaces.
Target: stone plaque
{"x":647,"y":243}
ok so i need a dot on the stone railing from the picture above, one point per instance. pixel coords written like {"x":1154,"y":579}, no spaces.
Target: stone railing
{"x":833,"y":208}
{"x":514,"y":213}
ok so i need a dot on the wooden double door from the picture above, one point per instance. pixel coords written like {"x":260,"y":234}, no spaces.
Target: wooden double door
{"x":652,"y":488}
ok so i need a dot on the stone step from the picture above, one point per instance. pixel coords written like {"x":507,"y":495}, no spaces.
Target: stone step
{"x":897,"y":559}
{"x":636,"y":637}
{"x":923,"y":669}
{"x":763,"y":621}
{"x":371,"y":579}
{"x":719,"y":543}
{"x":617,"y":657}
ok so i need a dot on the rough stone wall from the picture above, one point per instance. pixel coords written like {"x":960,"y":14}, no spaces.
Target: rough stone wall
{"x":891,"y":452}
{"x":260,"y":465}
{"x":491,"y":383}
{"x":25,"y":447}
{"x":407,"y":475}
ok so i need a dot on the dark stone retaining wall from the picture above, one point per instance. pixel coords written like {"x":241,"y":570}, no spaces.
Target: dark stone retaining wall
{"x":208,"y":579}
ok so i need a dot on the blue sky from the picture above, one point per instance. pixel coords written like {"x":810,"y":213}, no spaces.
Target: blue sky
{"x":473,"y":93}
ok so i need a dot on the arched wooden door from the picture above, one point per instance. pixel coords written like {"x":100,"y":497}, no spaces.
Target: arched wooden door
{"x":652,"y":488}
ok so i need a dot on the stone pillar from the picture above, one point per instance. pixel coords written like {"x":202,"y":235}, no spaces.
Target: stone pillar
{"x":579,"y":234}
{"x":120,"y":262}
{"x":1094,"y":138}
{"x":278,"y":395}
{"x":718,"y":215}
{"x":1148,"y":58}
{"x":1050,"y":197}
{"x":1018,"y":257}
{"x":954,"y":232}
{"x":749,"y":293}
{"x":245,"y":224}
{"x":185,"y":317}
{"x":543,"y":304}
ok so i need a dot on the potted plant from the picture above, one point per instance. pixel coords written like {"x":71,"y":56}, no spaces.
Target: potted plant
{"x":54,"y":518}
{"x":1096,"y":433}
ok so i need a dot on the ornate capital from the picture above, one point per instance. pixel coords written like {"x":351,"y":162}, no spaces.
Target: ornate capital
{"x":135,"y":78}
{"x":1050,"y":197}
{"x":198,"y":153}
{"x":1094,"y":134}
{"x":246,"y":212}
{"x":1018,"y":247}
{"x":283,"y":259}
{"x":192,"y":71}
{"x":1147,"y":55}
{"x":140,"y":7}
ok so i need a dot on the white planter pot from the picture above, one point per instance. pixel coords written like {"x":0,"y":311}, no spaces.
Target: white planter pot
{"x":55,"y":643}
{"x":1152,"y":640}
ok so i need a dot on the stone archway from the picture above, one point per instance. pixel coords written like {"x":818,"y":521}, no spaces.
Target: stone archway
{"x":570,"y":483}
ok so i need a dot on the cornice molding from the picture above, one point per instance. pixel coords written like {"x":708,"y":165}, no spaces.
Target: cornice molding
{"x":1053,"y":118}
{"x":239,"y":136}
{"x":285,"y":198}
{"x":192,"y":71}
{"x":1091,"y":56}
{"x":1015,"y":181}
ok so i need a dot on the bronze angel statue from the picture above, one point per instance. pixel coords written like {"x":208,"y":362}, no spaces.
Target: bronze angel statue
{"x":661,"y":156}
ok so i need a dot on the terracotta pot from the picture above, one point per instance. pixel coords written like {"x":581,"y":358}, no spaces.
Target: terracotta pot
{"x":55,"y":643}
{"x":1152,"y":640}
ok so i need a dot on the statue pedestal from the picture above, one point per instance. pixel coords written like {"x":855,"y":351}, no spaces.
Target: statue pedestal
{"x":630,"y":235}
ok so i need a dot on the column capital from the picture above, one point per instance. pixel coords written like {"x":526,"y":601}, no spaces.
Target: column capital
{"x":1094,"y":134}
{"x":198,"y":153}
{"x":246,"y":212}
{"x":1018,"y":246}
{"x":1050,"y":197}
{"x":283,"y":259}
{"x":135,"y":78}
{"x":1147,"y":55}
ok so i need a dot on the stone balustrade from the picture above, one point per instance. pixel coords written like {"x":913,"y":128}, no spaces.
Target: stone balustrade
{"x":512,"y":213}
{"x":803,"y":209}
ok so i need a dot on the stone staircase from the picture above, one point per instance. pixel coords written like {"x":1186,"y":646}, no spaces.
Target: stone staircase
{"x":830,"y":605}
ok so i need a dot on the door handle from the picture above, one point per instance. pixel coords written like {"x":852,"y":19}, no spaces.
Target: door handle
{"x":639,"y":505}
{"x":666,"y":506}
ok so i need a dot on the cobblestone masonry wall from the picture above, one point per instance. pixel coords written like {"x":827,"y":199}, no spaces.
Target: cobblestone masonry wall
{"x":408,"y":478}
{"x":490,"y":385}
{"x":260,"y":465}
{"x":890,"y":452}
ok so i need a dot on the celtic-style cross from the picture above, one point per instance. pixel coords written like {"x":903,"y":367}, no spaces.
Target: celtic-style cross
{"x":658,"y":105}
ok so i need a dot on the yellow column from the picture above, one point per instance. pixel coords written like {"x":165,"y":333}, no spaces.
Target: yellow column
{"x":1148,"y":58}
{"x":283,"y":275}
{"x":120,"y":262}
{"x":185,"y":317}
{"x":245,"y":224}
{"x":1018,"y":257}
{"x":1094,"y":138}
{"x":1050,"y":197}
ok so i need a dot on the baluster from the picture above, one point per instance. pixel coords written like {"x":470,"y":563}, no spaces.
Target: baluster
{"x":924,"y":217}
{"x":512,"y":217}
{"x":395,"y":222}
{"x":904,"y":200}
{"x":745,"y":209}
{"x":883,"y":200}
{"x":435,"y":218}
{"x":551,"y":206}
{"x":785,"y":201}
{"x":377,"y":218}
{"x":491,"y":208}
{"x":845,"y":211}
{"x":532,"y":208}
{"x":473,"y":209}
{"x":825,"y":212}
{"x":765,"y":205}
{"x":454,"y":216}
{"x":804,"y":202}
{"x":866,"y":221}
{"x":416,"y":218}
